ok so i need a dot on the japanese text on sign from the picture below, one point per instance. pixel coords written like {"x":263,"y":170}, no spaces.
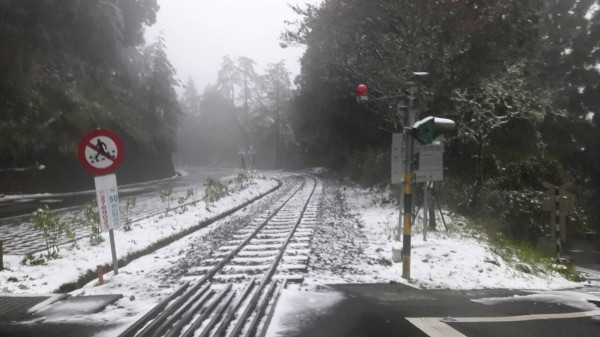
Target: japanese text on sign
{"x":108,"y":201}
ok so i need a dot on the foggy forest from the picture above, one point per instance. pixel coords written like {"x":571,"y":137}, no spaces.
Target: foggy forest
{"x":520,"y":79}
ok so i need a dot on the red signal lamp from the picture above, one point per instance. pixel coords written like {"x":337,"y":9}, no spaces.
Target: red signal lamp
{"x":362,"y":93}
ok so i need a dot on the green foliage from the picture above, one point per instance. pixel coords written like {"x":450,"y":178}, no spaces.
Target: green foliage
{"x":213,"y":191}
{"x":517,"y":86}
{"x":166,"y":196}
{"x":53,"y":230}
{"x":488,"y":113}
{"x":129,"y":204}
{"x":91,"y":219}
{"x":77,"y":65}
{"x":381,"y":43}
{"x":31,"y":260}
{"x":512,"y":195}
{"x":241,"y":180}
{"x":369,"y":168}
{"x":518,"y":254}
{"x":520,"y":211}
{"x":189,"y":195}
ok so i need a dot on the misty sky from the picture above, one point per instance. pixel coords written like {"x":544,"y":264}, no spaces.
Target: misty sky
{"x":198,"y":33}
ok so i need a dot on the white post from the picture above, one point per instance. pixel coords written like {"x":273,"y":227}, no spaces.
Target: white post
{"x":107,"y":196}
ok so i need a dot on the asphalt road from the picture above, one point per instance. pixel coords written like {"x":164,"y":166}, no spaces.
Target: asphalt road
{"x":24,"y":205}
{"x":381,"y":310}
{"x":54,"y":329}
{"x":397,"y":310}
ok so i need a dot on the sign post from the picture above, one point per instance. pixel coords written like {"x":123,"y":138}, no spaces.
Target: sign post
{"x":101,"y":152}
{"x":558,"y":201}
{"x":425,"y":131}
{"x":429,"y":166}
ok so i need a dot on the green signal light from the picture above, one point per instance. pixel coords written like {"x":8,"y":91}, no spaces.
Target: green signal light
{"x":429,"y":128}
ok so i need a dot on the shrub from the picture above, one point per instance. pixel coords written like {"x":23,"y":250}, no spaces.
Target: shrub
{"x":166,"y":196}
{"x":214,"y":190}
{"x":369,"y":168}
{"x":129,"y":204}
{"x":519,"y":254}
{"x":189,"y":194}
{"x":91,"y":218}
{"x":241,"y":180}
{"x":53,"y":230}
{"x":512,"y":194}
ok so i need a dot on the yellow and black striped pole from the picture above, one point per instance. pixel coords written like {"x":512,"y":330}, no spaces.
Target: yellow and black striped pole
{"x":407,"y":223}
{"x":408,"y":182}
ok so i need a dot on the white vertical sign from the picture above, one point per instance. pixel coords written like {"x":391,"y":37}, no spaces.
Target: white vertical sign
{"x":107,"y":196}
{"x":398,"y":158}
{"x":430,"y":165}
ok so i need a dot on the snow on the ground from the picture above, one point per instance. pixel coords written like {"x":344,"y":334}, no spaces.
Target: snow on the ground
{"x":575,"y":299}
{"x":297,"y":308}
{"x":361,"y":230}
{"x":74,"y":261}
{"x":352,"y":243}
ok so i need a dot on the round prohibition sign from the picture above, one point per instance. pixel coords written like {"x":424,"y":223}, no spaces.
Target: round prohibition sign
{"x":100,"y":151}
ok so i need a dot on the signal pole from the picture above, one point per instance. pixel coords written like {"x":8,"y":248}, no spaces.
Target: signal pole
{"x":425,"y":131}
{"x":409,"y":120}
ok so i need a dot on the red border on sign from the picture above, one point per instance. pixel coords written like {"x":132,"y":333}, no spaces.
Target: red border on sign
{"x":86,"y":142}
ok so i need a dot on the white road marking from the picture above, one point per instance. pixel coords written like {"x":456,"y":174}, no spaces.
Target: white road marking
{"x":522,"y":318}
{"x":438,"y":327}
{"x":434,"y":327}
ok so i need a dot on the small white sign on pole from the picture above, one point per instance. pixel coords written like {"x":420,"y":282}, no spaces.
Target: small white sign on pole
{"x":428,"y":167}
{"x":398,"y":158}
{"x":107,"y":196}
{"x":431,"y":163}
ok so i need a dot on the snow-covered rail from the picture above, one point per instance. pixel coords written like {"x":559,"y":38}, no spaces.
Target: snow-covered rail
{"x":20,"y":237}
{"x":234,"y":291}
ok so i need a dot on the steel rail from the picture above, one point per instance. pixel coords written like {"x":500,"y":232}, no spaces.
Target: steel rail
{"x":154,"y":312}
{"x":214,"y":320}
{"x":262,"y":332}
{"x":187,"y":317}
{"x":267,"y":278}
{"x":172,"y":316}
{"x":232,"y":310}
{"x":182,"y":303}
{"x":219,"y":266}
{"x":259,"y":310}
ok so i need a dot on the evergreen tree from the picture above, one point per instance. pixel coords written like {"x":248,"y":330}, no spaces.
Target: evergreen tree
{"x":73,"y":66}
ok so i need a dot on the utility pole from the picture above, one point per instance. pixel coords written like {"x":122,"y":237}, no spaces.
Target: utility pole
{"x":407,"y":216}
{"x":425,"y":209}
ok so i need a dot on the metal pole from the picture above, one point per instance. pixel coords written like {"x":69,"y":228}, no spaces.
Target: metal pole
{"x":399,"y":229}
{"x":556,"y":221}
{"x":425,"y":210}
{"x":113,"y":251}
{"x":436,"y":201}
{"x":408,"y":179}
{"x":398,"y":234}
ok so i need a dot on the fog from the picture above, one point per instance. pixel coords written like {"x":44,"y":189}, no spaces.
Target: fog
{"x":199,"y":33}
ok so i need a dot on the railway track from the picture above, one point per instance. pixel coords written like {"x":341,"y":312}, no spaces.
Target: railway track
{"x":21,"y":238}
{"x":234,"y":292}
